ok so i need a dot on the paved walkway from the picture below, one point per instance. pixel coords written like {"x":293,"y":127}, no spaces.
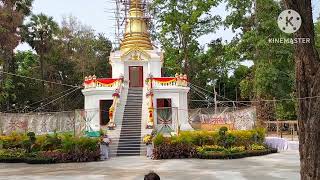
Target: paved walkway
{"x":283,"y":165}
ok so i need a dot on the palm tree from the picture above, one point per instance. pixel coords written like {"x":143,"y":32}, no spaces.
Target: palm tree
{"x":40,"y":34}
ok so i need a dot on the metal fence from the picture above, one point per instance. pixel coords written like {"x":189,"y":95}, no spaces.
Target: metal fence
{"x":210,"y":119}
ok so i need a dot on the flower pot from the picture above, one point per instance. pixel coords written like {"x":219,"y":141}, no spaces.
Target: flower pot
{"x":149,"y":150}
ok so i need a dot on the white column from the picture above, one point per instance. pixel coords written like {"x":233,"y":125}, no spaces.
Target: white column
{"x":183,"y":114}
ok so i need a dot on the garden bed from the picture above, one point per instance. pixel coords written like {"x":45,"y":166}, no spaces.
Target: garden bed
{"x":222,"y":144}
{"x":48,"y":149}
{"x":238,"y":155}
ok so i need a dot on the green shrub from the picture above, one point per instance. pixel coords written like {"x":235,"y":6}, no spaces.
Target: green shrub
{"x":223,"y":130}
{"x":14,"y":140}
{"x":52,"y":142}
{"x":174,"y":151}
{"x":86,"y":143}
{"x":18,"y":153}
{"x":236,"y":149}
{"x":214,"y":148}
{"x":257,"y":147}
{"x":200,"y":138}
{"x":39,"y":160}
{"x":236,"y":155}
{"x":158,"y":140}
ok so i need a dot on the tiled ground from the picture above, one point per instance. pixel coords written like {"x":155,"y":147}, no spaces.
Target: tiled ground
{"x":284,"y":165}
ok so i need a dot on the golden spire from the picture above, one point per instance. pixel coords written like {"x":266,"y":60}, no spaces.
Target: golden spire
{"x":136,"y":30}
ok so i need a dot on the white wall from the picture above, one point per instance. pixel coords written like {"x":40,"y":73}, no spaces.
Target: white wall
{"x":92,"y":98}
{"x":151,"y":65}
{"x":179,"y":100}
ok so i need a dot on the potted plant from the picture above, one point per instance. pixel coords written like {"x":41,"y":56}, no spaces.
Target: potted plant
{"x":147,"y":139}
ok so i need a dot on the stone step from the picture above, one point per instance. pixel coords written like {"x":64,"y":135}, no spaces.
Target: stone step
{"x":129,"y":150}
{"x":130,"y":142}
{"x":133,"y":126}
{"x":128,"y":146}
{"x":129,"y":154}
{"x":135,"y":121}
{"x":125,"y":132}
{"x":133,"y":113}
{"x":133,"y":106}
{"x":131,"y":119}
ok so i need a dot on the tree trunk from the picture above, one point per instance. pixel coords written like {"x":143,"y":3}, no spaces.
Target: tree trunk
{"x":265,"y":112}
{"x":308,"y":87}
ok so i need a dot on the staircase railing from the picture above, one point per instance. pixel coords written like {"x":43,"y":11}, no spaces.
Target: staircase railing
{"x":114,"y":107}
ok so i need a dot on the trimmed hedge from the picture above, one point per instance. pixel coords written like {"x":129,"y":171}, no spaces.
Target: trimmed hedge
{"x":174,"y":151}
{"x":222,"y":144}
{"x":249,"y":153}
{"x":12,"y":159}
{"x":39,"y":160}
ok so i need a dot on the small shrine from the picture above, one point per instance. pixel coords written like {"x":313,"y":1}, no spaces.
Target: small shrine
{"x":137,"y":89}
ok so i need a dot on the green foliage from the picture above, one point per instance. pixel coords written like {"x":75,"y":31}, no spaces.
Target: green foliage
{"x":174,"y":151}
{"x":158,"y":140}
{"x":272,"y":75}
{"x":64,"y":54}
{"x":55,"y":148}
{"x":13,"y":141}
{"x":12,"y":153}
{"x":317,"y":32}
{"x":257,"y":147}
{"x":236,"y":149}
{"x":223,"y":130}
{"x":52,"y":142}
{"x":212,"y":148}
{"x":235,"y":155}
{"x":177,"y":26}
{"x":227,"y":139}
{"x":200,"y":138}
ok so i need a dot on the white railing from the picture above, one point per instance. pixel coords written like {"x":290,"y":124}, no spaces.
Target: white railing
{"x":178,"y":81}
{"x":93,"y":82}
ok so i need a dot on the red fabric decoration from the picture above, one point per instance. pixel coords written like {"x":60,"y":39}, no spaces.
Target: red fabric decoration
{"x":164,"y":79}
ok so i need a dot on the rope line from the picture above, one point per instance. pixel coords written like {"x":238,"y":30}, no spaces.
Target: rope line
{"x":56,"y":99}
{"x":35,"y":79}
{"x":30,"y":106}
{"x":262,"y":100}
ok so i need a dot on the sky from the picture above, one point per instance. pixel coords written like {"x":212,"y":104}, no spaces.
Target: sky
{"x":99,"y":15}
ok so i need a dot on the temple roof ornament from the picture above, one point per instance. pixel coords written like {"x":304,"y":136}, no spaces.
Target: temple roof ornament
{"x":137,"y":54}
{"x":136,"y":30}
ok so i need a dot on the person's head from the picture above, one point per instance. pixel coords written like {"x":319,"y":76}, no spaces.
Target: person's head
{"x":151,"y":176}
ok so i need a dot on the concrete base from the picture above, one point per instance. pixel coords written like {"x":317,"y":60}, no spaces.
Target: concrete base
{"x":280,"y":166}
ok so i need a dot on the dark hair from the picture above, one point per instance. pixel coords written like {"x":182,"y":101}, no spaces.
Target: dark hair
{"x":152,"y":176}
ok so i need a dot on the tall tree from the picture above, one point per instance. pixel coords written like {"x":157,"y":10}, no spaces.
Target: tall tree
{"x":39,"y":33}
{"x":180,"y":23}
{"x":307,"y":62}
{"x":12,"y":14}
{"x":273,"y":70}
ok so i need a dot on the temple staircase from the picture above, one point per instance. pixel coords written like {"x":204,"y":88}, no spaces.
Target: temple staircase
{"x":130,"y":136}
